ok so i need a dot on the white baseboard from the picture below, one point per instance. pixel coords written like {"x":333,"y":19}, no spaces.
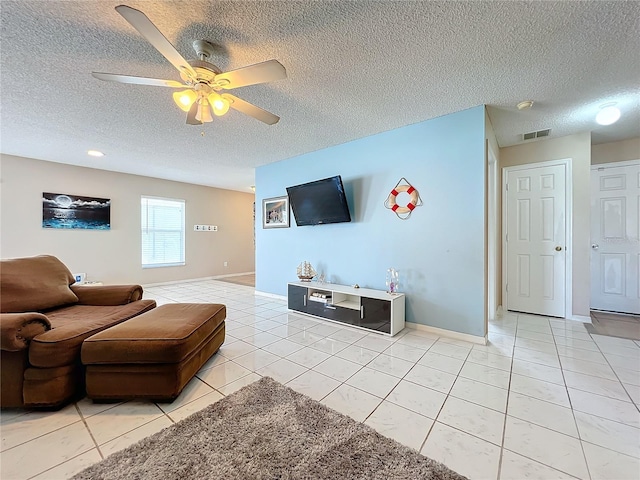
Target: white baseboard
{"x":580,"y":318}
{"x":232,"y":275}
{"x":187,"y":280}
{"x":447,"y":333}
{"x":271,"y":295}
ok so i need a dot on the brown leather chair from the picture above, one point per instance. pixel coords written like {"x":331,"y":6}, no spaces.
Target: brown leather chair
{"x":43,"y":321}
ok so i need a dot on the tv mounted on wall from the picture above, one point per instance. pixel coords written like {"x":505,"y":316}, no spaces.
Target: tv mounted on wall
{"x":319,"y":202}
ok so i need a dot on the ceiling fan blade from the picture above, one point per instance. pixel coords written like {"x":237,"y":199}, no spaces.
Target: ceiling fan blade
{"x":156,"y":82}
{"x":191,"y":116}
{"x":251,"y":110}
{"x":259,"y":73}
{"x":148,"y":30}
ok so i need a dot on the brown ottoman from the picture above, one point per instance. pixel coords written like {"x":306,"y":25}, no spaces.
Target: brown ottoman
{"x":153,"y":355}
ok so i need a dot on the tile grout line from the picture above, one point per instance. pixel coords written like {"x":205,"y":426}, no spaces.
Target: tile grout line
{"x":89,"y":430}
{"x":38,"y":436}
{"x":448,"y":394}
{"x":75,"y":456}
{"x":396,"y":385}
{"x":506,"y":408}
{"x":573,"y":415}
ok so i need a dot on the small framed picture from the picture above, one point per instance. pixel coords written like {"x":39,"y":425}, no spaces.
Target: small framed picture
{"x":275,"y":212}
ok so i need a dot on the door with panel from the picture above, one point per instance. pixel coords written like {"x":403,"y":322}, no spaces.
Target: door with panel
{"x":535,"y":239}
{"x":297,"y":298}
{"x":615,"y":237}
{"x":376,"y":314}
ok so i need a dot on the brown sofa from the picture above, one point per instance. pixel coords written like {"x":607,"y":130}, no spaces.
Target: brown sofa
{"x":44,"y":318}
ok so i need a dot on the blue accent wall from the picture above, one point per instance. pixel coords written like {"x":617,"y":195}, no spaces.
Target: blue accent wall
{"x":439,"y":250}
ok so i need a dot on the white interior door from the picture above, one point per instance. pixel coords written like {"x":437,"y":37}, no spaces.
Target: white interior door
{"x":536,"y":239}
{"x":615,"y":239}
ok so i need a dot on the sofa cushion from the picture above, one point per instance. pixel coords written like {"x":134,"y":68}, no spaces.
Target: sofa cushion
{"x":71,"y":325}
{"x":34,"y":284}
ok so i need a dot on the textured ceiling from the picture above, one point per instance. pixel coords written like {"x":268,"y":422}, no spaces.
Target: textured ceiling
{"x":354,"y":69}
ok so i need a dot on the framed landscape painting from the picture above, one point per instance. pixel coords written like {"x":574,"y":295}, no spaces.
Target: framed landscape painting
{"x":275,"y":212}
{"x":61,"y":210}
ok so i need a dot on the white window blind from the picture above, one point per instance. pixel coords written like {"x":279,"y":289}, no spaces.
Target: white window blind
{"x":162,"y":232}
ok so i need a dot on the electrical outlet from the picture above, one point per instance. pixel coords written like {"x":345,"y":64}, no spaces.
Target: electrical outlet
{"x":226,"y":264}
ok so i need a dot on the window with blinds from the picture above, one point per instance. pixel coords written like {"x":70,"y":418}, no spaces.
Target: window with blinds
{"x":162,"y":232}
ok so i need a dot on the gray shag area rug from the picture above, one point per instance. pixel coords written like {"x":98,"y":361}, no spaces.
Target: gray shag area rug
{"x":268,"y":431}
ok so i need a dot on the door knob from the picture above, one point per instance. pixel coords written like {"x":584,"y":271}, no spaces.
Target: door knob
{"x":595,"y":246}
{"x":558,"y":248}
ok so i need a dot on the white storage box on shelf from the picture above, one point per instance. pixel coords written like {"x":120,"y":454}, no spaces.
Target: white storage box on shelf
{"x":365,"y":308}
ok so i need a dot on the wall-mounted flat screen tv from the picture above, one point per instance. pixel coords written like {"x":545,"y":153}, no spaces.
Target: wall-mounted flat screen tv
{"x":319,"y":202}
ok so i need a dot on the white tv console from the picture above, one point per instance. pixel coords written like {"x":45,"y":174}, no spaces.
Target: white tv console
{"x":365,"y":308}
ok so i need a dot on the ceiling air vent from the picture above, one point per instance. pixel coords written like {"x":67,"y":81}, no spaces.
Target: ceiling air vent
{"x":538,"y":134}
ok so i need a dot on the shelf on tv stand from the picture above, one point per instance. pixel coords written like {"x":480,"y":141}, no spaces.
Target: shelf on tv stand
{"x":369,"y":309}
{"x":348,"y":304}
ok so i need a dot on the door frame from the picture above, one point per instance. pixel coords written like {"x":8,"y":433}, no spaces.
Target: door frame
{"x":492,"y":236}
{"x":604,"y":166}
{"x":568,"y":274}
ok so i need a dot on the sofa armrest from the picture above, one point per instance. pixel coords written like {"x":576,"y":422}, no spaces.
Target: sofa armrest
{"x":17,"y":329}
{"x":107,"y":294}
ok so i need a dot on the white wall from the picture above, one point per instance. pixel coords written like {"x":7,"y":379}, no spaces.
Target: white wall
{"x":439,"y":250}
{"x":616,"y":151}
{"x":578,"y":148}
{"x":113,"y":256}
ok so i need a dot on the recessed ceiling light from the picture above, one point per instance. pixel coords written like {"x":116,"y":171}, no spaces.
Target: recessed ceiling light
{"x":95,"y":153}
{"x":525,"y":104}
{"x":608,"y":114}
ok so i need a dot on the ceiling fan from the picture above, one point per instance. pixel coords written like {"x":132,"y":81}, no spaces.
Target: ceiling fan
{"x":204,"y":82}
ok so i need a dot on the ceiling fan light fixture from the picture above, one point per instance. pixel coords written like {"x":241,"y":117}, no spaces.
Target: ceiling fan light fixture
{"x":185,"y":99}
{"x":219,"y":104}
{"x":200,"y":76}
{"x":204,"y":112}
{"x":608,"y":114}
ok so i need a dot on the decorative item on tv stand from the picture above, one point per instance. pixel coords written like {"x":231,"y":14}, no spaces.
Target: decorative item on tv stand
{"x":306,"y":272}
{"x":392,"y":282}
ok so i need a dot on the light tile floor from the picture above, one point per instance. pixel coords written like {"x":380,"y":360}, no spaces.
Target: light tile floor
{"x":545,"y":399}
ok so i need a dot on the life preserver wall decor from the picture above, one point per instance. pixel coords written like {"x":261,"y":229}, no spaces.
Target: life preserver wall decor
{"x":403,"y":211}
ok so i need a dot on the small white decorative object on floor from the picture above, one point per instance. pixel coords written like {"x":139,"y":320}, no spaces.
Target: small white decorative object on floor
{"x":306,"y":272}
